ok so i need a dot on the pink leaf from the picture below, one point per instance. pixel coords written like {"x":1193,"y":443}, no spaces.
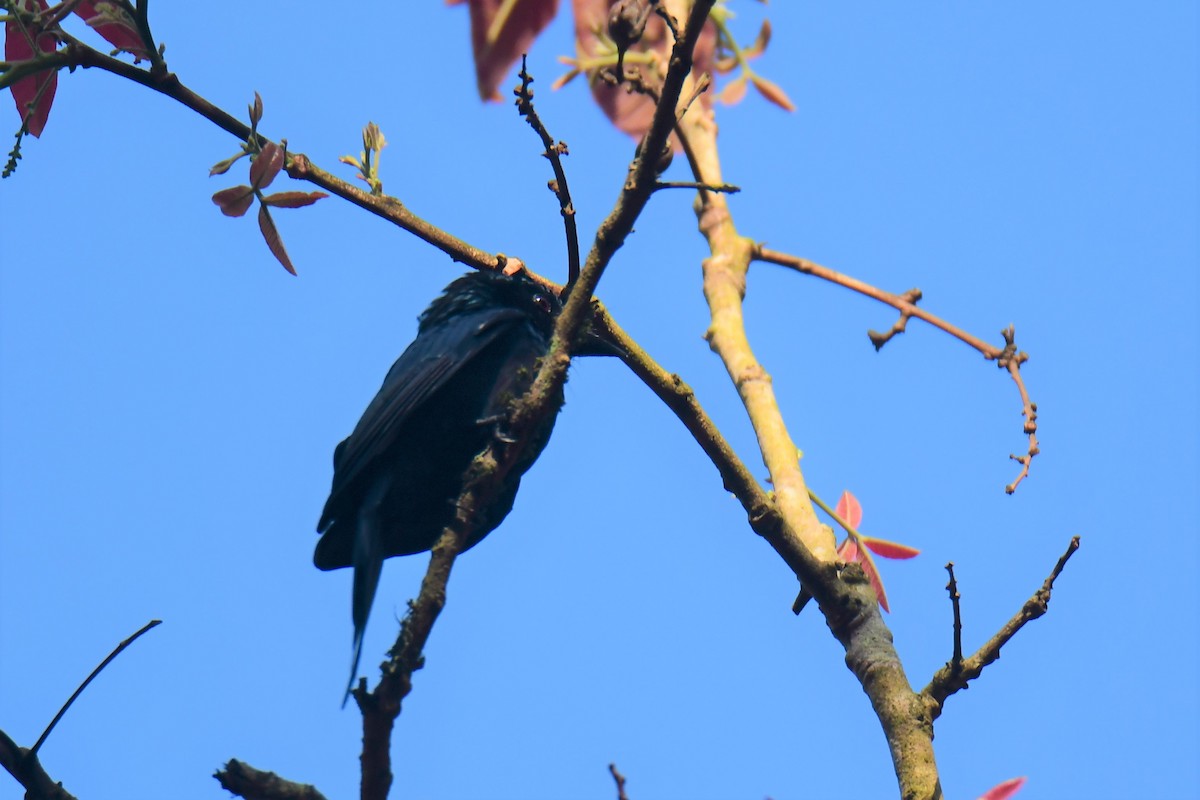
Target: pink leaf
{"x":773,"y":93}
{"x":849,"y":509}
{"x":115,"y":25}
{"x":234,"y":201}
{"x":733,"y":92}
{"x":32,"y":90}
{"x":848,"y":551}
{"x":1005,"y":790}
{"x":272,"y":238}
{"x":868,"y":565}
{"x":293,"y":199}
{"x":501,"y":30}
{"x":256,"y":110}
{"x":266,"y":165}
{"x":890,"y":549}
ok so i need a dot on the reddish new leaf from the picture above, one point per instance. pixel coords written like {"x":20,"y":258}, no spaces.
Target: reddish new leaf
{"x":501,"y":30}
{"x":115,"y":25}
{"x":733,"y":92}
{"x":772,"y":92}
{"x":234,"y":201}
{"x":848,"y":508}
{"x":256,"y":110}
{"x":266,"y":165}
{"x":32,"y":90}
{"x":890,"y":549}
{"x":848,"y":551}
{"x":760,"y":43}
{"x":868,"y":565}
{"x":271,"y":237}
{"x":293,"y":199}
{"x":1003,"y":791}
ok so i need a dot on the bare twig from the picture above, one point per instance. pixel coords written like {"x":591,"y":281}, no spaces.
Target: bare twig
{"x":952,"y":588}
{"x":245,"y":781}
{"x":912,"y":296}
{"x":948,"y":680}
{"x":554,"y":153}
{"x":726,"y":188}
{"x":116,"y":652}
{"x":1011,"y":360}
{"x":619,"y":779}
{"x":1007,"y":358}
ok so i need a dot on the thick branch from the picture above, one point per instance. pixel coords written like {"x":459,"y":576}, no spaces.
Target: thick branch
{"x":845,"y":596}
{"x":23,"y":765}
{"x":245,"y":781}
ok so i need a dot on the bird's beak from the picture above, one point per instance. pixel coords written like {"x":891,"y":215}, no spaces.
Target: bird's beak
{"x":592,"y":343}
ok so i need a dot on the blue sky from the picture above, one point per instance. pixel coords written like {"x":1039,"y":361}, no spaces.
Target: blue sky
{"x":170,"y":399}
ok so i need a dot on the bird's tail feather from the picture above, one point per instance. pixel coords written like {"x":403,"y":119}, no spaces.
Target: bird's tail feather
{"x":368,"y":561}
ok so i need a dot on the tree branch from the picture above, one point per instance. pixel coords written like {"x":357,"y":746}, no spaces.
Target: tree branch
{"x":553,"y":153}
{"x":1007,"y":358}
{"x":952,"y":678}
{"x":23,"y":765}
{"x":243,"y":780}
{"x":299,"y":167}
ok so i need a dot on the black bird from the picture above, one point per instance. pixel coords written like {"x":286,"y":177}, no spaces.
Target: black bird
{"x":397,"y":476}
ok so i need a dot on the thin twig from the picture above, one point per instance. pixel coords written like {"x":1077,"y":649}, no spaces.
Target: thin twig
{"x":1007,"y":358}
{"x":554,"y":153}
{"x":116,"y":652}
{"x":948,"y":680}
{"x":142,"y":16}
{"x":952,"y":588}
{"x":725,"y":188}
{"x":619,"y":779}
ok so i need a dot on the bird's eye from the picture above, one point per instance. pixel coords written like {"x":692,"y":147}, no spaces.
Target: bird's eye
{"x":543,"y":303}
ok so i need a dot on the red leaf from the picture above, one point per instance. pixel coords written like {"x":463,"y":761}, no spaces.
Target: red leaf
{"x":256,"y":110}
{"x":848,"y":551}
{"x":733,"y":92}
{"x":266,"y":165}
{"x":772,"y":92}
{"x":235,"y":200}
{"x":1005,"y":790}
{"x":271,"y":237}
{"x":116,"y":26}
{"x":849,"y":509}
{"x":293,"y":199}
{"x":876,"y":580}
{"x":890,"y":549}
{"x":501,"y":30}
{"x":33,"y":89}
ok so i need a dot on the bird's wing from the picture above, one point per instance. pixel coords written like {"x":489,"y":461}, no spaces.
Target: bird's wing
{"x":433,"y":358}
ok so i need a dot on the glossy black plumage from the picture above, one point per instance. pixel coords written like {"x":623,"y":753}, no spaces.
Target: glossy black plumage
{"x":396,"y":477}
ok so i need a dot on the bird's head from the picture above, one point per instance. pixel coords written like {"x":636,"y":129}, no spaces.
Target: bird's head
{"x":482,"y":290}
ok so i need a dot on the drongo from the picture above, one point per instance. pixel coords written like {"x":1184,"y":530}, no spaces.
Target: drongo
{"x":397,"y":476}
